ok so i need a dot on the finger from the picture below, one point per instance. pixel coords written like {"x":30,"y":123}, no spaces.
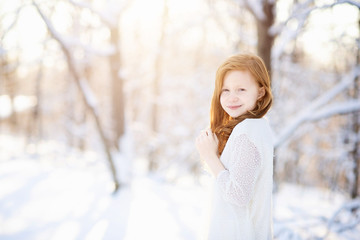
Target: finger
{"x":200,"y":138}
{"x":208,"y":132}
{"x":214,"y":136}
{"x":216,"y":139}
{"x":204,"y":133}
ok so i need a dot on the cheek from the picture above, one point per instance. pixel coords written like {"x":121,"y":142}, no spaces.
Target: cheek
{"x":253,"y":101}
{"x":222,"y":101}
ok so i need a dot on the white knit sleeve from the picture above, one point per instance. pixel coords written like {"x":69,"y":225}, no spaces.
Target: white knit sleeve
{"x":237,"y":182}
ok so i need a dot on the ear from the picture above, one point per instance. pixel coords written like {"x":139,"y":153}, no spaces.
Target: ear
{"x":261,"y":93}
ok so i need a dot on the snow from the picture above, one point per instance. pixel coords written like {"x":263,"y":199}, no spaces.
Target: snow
{"x":103,"y":51}
{"x":68,"y":42}
{"x":300,"y":15}
{"x":336,"y":108}
{"x":20,"y":103}
{"x":104,"y":17}
{"x":306,"y":113}
{"x":351,"y":2}
{"x":50,"y":26}
{"x":304,"y":213}
{"x":69,"y":197}
{"x":2,"y":51}
{"x":109,"y":12}
{"x":256,"y":7}
{"x":61,"y":193}
{"x":285,"y":37}
{"x":88,"y":93}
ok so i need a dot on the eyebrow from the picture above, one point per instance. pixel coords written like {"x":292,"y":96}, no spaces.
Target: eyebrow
{"x":237,"y":86}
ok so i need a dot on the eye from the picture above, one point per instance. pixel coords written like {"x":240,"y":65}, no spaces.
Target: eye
{"x":224,"y":90}
{"x":241,"y":90}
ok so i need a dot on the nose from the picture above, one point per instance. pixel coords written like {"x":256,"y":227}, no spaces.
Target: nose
{"x":233,"y":98}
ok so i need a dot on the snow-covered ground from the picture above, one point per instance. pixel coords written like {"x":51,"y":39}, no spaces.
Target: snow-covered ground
{"x":56,"y":193}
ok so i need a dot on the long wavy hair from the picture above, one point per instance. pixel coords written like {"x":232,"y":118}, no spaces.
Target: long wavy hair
{"x":222,"y":123}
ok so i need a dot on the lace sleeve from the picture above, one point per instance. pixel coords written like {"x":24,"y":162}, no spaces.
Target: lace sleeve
{"x":238,"y":181}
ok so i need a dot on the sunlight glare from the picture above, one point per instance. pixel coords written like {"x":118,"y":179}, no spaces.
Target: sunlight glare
{"x":324,"y":27}
{"x":20,"y":103}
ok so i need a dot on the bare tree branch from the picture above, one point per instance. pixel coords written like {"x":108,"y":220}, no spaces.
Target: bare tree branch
{"x":301,"y":13}
{"x":336,"y":109}
{"x":347,"y":207}
{"x":256,"y":9}
{"x":305,"y":114}
{"x":13,"y":23}
{"x":84,"y":89}
{"x":109,"y":20}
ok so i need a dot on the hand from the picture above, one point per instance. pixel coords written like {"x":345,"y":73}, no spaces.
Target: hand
{"x":207,"y":145}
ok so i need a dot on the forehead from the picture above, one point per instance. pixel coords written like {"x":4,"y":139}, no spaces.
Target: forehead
{"x":238,"y":77}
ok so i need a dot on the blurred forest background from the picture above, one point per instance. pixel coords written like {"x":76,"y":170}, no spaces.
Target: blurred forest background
{"x":134,"y":78}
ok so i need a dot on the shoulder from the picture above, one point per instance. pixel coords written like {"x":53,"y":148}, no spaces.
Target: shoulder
{"x":251,"y":125}
{"x":255,"y":128}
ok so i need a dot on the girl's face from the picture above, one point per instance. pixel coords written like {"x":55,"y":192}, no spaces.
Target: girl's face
{"x":239,"y":93}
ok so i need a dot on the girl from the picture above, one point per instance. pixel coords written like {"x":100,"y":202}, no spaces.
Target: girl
{"x":238,"y":150}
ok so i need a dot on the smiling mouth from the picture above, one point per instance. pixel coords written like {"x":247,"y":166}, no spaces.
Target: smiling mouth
{"x":234,"y":107}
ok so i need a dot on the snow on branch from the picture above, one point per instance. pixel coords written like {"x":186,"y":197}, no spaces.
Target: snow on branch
{"x":111,"y":14}
{"x":301,"y":13}
{"x":337,"y":226}
{"x":67,"y":42}
{"x":310,"y":112}
{"x":256,"y":8}
{"x":89,"y":97}
{"x":2,"y":51}
{"x":107,"y":19}
{"x":89,"y":94}
{"x":50,"y":27}
{"x":104,"y":51}
{"x":287,"y":36}
{"x":336,"y":109}
{"x":351,"y":2}
{"x":12,"y":24}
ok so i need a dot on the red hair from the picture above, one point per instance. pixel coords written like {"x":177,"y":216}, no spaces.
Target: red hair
{"x":220,"y":122}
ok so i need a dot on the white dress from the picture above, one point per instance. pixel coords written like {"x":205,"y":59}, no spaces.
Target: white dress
{"x":242,"y":197}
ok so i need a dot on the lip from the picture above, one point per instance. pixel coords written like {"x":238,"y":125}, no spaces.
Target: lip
{"x":234,"y":107}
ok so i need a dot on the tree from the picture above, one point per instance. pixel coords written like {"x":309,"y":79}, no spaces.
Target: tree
{"x":268,"y":29}
{"x":156,"y":88}
{"x":264,"y":14}
{"x":355,"y":128}
{"x":86,"y":93}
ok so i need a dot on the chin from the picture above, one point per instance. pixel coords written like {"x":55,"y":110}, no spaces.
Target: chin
{"x":234,"y":115}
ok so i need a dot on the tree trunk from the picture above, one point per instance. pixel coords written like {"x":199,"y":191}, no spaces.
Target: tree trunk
{"x":153,"y":164}
{"x":11,"y":85}
{"x":355,"y":153}
{"x":117,"y":93}
{"x":265,"y":40}
{"x":264,"y":45}
{"x":92,"y":108}
{"x":34,"y":130}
